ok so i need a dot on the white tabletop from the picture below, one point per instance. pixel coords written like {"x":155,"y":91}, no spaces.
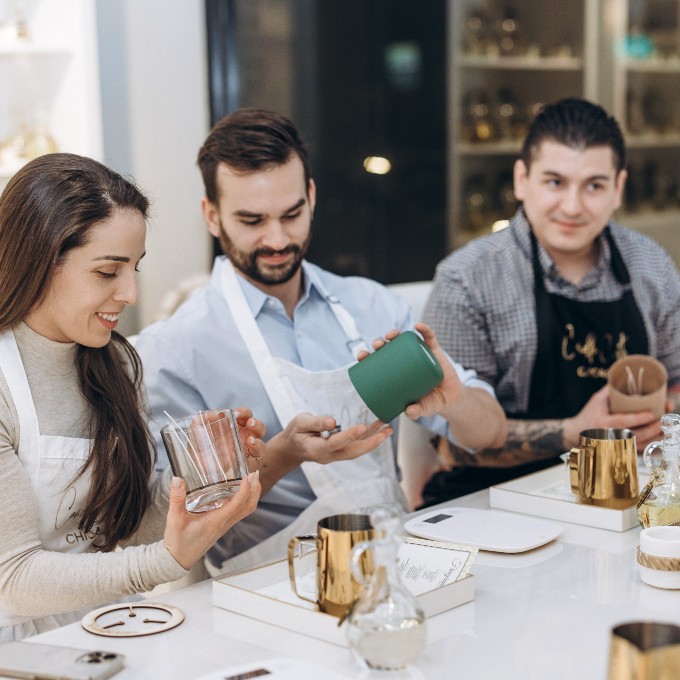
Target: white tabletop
{"x":547,"y":613}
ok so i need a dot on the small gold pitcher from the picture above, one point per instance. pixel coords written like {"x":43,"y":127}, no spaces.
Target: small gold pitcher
{"x":603,"y":468}
{"x":336,"y":536}
{"x":644,"y":650}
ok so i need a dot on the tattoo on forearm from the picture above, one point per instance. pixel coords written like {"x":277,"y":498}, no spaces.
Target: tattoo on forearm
{"x":528,"y":440}
{"x":541,"y":436}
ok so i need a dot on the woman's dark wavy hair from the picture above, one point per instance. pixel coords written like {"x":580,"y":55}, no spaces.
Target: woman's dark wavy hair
{"x":48,"y":209}
{"x":578,"y":124}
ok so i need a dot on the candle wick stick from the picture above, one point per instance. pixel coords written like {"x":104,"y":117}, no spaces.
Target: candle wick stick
{"x":193,"y":459}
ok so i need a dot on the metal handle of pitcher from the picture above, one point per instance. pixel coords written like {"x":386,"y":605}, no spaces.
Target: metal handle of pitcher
{"x":292,"y":545}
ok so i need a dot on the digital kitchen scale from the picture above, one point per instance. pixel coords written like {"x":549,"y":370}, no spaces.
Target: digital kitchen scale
{"x":487,"y":529}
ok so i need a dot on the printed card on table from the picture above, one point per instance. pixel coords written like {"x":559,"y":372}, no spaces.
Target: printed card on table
{"x":426,"y":565}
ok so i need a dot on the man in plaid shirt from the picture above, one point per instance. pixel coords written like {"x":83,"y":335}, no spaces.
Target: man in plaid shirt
{"x":542,"y":309}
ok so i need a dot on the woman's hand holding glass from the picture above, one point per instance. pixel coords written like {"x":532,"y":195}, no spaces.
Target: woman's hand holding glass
{"x":188,"y":535}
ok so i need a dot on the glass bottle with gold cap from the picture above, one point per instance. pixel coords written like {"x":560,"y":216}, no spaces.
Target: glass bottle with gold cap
{"x":659,"y":502}
{"x":386,"y":627}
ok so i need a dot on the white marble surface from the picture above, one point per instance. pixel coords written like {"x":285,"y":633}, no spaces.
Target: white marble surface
{"x":543,"y":614}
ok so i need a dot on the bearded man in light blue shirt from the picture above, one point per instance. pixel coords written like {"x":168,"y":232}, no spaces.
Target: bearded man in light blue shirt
{"x":277,"y":333}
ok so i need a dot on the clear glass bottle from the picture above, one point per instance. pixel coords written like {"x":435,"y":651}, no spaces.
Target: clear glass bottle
{"x":508,"y":115}
{"x":478,"y":112}
{"x":476,"y":36}
{"x":659,"y":502}
{"x":510,"y":43}
{"x":477,"y":203}
{"x":386,"y":627}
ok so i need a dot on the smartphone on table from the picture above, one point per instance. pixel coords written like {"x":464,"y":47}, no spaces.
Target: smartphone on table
{"x":51,"y":662}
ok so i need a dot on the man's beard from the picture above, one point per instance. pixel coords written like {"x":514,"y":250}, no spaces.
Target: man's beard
{"x":247,"y":263}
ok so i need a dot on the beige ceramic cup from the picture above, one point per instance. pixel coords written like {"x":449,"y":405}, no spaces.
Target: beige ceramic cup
{"x":336,"y":536}
{"x":637,"y":383}
{"x":603,"y":468}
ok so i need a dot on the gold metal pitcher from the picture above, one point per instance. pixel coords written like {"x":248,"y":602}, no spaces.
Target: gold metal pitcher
{"x":645,"y":650}
{"x":336,"y":536}
{"x":603,"y":468}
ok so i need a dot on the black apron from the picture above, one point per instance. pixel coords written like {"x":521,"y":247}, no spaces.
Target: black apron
{"x":576,"y":344}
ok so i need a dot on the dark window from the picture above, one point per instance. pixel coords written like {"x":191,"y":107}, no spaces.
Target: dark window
{"x":360,"y":78}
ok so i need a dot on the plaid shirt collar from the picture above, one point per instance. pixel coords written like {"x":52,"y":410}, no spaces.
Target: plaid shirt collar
{"x":521,"y":232}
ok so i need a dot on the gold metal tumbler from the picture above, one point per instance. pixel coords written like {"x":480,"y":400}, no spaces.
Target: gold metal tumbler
{"x":644,"y":650}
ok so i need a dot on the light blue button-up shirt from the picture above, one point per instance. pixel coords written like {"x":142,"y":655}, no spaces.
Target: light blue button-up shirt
{"x":196,"y":360}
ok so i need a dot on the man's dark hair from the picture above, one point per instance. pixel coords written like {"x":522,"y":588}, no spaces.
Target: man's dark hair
{"x":576,"y":123}
{"x":249,"y":140}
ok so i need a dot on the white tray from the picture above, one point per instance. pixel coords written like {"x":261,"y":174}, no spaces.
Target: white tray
{"x":543,"y":494}
{"x":262,"y":594}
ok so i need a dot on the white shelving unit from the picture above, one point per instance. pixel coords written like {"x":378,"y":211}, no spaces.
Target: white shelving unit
{"x":553,"y":56}
{"x":51,"y":76}
{"x":644,"y":99}
{"x":596,"y":65}
{"x":535,"y":63}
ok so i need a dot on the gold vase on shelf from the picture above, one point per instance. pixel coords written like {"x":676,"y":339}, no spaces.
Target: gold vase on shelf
{"x":26,"y":142}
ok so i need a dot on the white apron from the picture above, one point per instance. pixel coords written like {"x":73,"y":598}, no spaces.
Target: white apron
{"x":340,"y":487}
{"x":51,"y":464}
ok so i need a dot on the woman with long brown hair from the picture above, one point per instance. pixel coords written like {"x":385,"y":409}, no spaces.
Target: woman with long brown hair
{"x":76,"y":458}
